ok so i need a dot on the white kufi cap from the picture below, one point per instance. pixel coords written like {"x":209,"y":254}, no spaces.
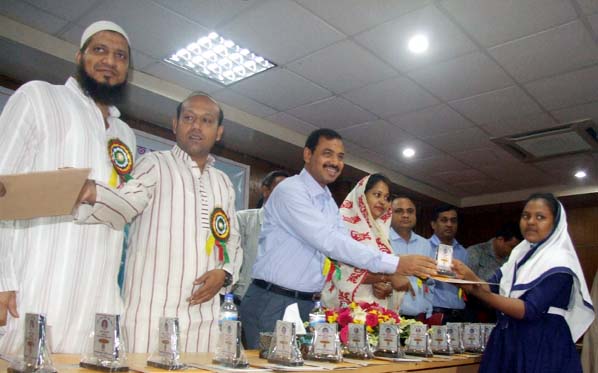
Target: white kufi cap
{"x":102,"y":26}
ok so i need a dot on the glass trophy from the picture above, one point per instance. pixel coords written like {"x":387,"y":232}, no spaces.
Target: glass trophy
{"x":486,"y":331}
{"x":229,"y":351}
{"x":358,"y":344}
{"x":36,"y":354}
{"x":472,"y":338}
{"x":418,"y":343}
{"x":326,"y":345}
{"x":444,"y":260}
{"x":283,"y":347}
{"x":388,"y":341}
{"x":440,"y":341}
{"x":168,"y":355}
{"x":107,"y":351}
{"x":455,"y":333}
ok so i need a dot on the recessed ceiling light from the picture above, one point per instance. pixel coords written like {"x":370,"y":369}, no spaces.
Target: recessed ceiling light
{"x":580,"y":174}
{"x":408,"y":152}
{"x":418,"y":44}
{"x":219,"y":59}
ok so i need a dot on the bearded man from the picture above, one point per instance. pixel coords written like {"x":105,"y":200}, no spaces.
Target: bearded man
{"x":51,"y":265}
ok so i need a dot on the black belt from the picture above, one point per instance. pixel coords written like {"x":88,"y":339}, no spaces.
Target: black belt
{"x":448,"y":311}
{"x":284,"y":291}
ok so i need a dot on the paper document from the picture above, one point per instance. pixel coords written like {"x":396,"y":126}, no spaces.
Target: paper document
{"x":40,"y":194}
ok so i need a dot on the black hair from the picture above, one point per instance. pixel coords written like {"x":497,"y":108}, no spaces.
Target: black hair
{"x":374,"y":179}
{"x":509,"y":230}
{"x":268,"y":180}
{"x":314,"y":137}
{"x":551,"y":201}
{"x":179,"y":107}
{"x":439,"y":209}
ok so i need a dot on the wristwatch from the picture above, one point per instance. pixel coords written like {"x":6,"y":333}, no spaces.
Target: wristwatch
{"x":228,"y":279}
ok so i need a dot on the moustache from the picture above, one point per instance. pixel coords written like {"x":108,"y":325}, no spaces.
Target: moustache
{"x":331,"y":166}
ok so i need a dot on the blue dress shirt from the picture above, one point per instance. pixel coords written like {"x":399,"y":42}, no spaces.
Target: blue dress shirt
{"x":447,"y":295}
{"x":422,"y":302}
{"x":302,"y":226}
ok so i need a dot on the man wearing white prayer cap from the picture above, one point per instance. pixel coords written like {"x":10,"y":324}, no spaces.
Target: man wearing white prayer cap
{"x":49,"y":265}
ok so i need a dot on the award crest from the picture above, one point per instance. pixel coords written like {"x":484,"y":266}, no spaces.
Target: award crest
{"x":220,"y":229}
{"x":121,"y":157}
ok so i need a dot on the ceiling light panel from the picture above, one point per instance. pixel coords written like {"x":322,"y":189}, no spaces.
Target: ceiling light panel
{"x":219,"y":59}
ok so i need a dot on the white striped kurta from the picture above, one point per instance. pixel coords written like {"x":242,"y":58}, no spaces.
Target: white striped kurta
{"x":67,"y":271}
{"x":167,"y":245}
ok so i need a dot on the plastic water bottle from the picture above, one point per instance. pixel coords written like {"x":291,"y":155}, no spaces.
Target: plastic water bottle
{"x":316,"y":316}
{"x":228,"y":310}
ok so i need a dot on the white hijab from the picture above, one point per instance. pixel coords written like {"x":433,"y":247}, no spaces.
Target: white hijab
{"x":555,"y":254}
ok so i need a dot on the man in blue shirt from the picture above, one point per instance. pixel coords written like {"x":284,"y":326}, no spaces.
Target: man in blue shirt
{"x":405,"y":241}
{"x":302,"y":228}
{"x":448,"y":299}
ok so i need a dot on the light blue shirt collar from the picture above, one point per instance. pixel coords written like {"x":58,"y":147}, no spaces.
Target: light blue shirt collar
{"x":313,"y":187}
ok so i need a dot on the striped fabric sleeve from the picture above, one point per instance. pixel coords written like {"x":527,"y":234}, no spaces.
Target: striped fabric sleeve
{"x":117,"y":207}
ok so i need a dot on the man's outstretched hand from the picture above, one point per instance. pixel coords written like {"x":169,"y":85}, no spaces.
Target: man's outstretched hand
{"x":416,"y":265}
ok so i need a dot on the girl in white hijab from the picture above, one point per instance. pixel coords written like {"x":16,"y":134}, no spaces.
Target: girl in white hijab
{"x":543,"y":300}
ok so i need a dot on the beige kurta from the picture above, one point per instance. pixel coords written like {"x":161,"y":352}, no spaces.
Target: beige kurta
{"x":172,"y":200}
{"x":66,"y":271}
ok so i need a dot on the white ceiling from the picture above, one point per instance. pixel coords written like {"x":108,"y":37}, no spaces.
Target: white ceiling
{"x":493,"y":68}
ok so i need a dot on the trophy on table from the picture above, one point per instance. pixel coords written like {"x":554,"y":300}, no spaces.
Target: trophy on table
{"x":388,"y":342}
{"x":358,"y":345}
{"x":229,"y":351}
{"x":108,"y":353}
{"x":168,"y":355}
{"x":283,"y":347}
{"x":36,"y":354}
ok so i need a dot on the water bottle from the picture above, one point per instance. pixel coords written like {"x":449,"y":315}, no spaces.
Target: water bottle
{"x":316,"y":316}
{"x":228,"y":310}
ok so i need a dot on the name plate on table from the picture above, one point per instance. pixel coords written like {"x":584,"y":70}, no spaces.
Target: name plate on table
{"x":444,"y":260}
{"x":106,"y":343}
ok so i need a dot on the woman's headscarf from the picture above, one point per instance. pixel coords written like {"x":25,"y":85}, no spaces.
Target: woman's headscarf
{"x":362,"y":227}
{"x":529,"y":264}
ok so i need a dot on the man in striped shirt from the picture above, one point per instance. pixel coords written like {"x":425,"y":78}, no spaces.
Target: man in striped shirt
{"x":50,"y":265}
{"x":183,"y":243}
